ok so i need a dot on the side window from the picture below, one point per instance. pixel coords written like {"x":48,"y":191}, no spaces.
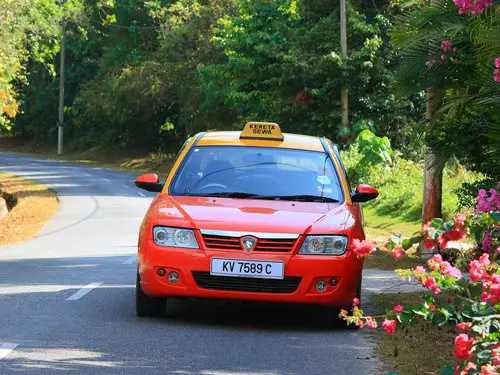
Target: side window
{"x":337,"y":154}
{"x":182,"y":148}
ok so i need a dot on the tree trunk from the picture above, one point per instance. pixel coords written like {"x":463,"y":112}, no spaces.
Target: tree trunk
{"x":433,"y":171}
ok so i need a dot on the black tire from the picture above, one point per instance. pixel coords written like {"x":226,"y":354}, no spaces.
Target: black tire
{"x":146,"y":306}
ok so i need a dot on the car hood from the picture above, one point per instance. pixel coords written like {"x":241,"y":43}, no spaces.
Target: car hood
{"x":253,"y":215}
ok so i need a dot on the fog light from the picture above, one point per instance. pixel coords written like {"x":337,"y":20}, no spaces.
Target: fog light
{"x":173,"y":277}
{"x":321,"y":286}
{"x":333,"y":281}
{"x":161,"y":272}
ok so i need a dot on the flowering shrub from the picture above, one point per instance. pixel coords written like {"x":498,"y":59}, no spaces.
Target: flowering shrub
{"x":471,"y":6}
{"x":474,"y":303}
{"x":496,"y":71}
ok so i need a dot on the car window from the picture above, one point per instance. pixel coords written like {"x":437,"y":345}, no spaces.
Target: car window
{"x":256,"y":170}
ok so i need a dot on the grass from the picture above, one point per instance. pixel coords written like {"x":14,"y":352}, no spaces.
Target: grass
{"x":385,"y":261}
{"x":380,"y":227}
{"x":419,"y":348}
{"x":36,"y":204}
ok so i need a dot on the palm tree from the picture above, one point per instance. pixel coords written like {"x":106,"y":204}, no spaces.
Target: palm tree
{"x":450,"y":56}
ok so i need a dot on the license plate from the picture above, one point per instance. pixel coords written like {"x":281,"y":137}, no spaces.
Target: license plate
{"x":247,"y":268}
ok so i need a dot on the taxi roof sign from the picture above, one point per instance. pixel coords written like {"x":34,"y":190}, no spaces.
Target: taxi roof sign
{"x":262,"y":130}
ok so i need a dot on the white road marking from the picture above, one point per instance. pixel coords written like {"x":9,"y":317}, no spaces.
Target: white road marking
{"x":6,"y":348}
{"x":83,"y":292}
{"x":126,"y":186}
{"x":142,"y":195}
{"x":130,"y":260}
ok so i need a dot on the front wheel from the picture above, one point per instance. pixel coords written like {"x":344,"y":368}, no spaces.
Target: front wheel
{"x":146,"y":306}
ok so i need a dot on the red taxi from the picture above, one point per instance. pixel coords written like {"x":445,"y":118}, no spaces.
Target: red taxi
{"x":252,"y":215}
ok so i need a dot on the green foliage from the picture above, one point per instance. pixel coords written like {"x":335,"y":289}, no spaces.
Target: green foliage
{"x":469,"y":110}
{"x":401,"y":185}
{"x":30,"y":34}
{"x":283,"y":64}
{"x":375,"y":150}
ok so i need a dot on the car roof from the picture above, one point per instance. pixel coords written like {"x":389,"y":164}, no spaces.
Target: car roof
{"x":232,"y":138}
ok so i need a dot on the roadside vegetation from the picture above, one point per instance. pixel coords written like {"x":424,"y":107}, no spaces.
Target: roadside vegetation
{"x":418,"y":348}
{"x":35,"y":205}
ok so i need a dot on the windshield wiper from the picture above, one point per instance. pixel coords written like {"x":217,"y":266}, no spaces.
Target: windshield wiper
{"x":234,"y":194}
{"x":300,"y":198}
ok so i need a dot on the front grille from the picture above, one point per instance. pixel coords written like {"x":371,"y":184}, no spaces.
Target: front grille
{"x":280,"y":245}
{"x":246,"y":284}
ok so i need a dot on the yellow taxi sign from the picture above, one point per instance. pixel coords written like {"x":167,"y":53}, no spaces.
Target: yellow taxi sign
{"x":262,"y":130}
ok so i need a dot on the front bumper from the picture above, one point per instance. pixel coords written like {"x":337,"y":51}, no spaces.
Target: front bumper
{"x":301,"y":274}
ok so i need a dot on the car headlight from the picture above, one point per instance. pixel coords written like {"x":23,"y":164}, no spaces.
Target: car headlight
{"x":324,"y":245}
{"x":175,"y":237}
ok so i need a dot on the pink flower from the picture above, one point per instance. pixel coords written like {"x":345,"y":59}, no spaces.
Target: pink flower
{"x":371,"y":323}
{"x":484,"y":259}
{"x":432,"y":308}
{"x":443,"y":241}
{"x":398,"y":252}
{"x":355,"y":301}
{"x":477,"y":271}
{"x":430,"y":63}
{"x":489,"y":201}
{"x":398,"y":308}
{"x":496,"y":75}
{"x":465,"y":371}
{"x":452,"y":271}
{"x":419,"y":273}
{"x":362,"y":248}
{"x":487,"y":241}
{"x":488,"y":370}
{"x":460,"y":219}
{"x":495,"y":285}
{"x":435,"y":262}
{"x":360,"y":323}
{"x":497,"y":62}
{"x":443,"y":57}
{"x":430,"y":283}
{"x":446,"y":45}
{"x":495,"y":354}
{"x":429,"y":243}
{"x":464,"y":327}
{"x":463,"y":347}
{"x":389,"y":326}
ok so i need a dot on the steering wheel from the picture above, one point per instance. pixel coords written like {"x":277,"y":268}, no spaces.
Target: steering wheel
{"x":212,"y":186}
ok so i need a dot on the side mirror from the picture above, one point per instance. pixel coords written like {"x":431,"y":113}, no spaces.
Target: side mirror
{"x":364,"y":193}
{"x":149,"y":182}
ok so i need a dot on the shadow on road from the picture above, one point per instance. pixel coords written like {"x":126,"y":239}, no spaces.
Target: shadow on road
{"x":101,"y":334}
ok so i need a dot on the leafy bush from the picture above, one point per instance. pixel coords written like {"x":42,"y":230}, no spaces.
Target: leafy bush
{"x":467,"y":192}
{"x":400,"y":184}
{"x":375,"y":150}
{"x":473,"y":304}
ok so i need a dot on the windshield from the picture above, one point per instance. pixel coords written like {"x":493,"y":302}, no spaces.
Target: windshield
{"x":257,"y":172}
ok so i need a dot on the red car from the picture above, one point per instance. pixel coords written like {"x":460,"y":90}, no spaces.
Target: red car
{"x":252,"y":215}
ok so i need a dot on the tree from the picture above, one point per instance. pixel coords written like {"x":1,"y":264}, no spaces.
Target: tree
{"x":446,"y":53}
{"x":282,"y":63}
{"x":29,"y":30}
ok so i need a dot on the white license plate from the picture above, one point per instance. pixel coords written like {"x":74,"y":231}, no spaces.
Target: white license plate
{"x":247,"y":268}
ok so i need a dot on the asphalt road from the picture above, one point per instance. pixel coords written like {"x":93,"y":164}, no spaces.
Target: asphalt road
{"x":67,"y":300}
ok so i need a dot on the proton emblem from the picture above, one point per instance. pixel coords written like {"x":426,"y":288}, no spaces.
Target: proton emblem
{"x":248,"y":243}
